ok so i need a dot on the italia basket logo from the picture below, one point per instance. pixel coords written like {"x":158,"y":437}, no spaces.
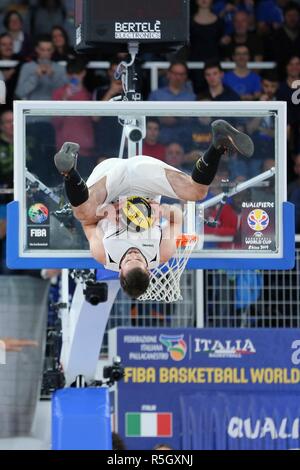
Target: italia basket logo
{"x":258,"y":220}
{"x":175,"y":345}
{"x":38,"y":213}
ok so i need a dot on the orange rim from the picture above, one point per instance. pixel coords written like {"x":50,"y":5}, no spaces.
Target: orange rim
{"x":185,"y":239}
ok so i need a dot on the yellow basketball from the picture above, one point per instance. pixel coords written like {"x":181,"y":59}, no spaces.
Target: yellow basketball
{"x":137,"y":214}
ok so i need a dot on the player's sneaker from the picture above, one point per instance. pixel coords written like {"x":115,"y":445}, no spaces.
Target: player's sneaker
{"x":227,"y":136}
{"x":66,"y":158}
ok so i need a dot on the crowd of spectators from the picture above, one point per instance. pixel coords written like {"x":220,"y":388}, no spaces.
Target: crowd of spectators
{"x":36,"y":36}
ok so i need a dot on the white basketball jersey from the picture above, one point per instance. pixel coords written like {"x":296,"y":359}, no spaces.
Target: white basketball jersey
{"x":117,"y":241}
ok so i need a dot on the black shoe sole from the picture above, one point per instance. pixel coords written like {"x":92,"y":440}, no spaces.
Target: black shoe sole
{"x":223,"y":131}
{"x":66,"y":158}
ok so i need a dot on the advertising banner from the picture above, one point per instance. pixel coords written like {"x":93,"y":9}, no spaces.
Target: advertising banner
{"x":174,"y":378}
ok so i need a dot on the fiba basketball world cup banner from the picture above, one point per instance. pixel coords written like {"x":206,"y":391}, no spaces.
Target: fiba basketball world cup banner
{"x":209,"y":388}
{"x":258,"y":225}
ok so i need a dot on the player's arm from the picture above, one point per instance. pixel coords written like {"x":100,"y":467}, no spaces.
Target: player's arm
{"x":94,"y":235}
{"x":173,"y":215}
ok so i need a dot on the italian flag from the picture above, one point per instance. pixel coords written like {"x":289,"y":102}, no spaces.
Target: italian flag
{"x":148,"y":424}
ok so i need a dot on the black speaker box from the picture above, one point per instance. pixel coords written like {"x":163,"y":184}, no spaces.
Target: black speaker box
{"x":111,"y":24}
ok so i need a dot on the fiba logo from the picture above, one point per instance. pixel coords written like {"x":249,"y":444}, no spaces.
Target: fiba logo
{"x":258,"y":220}
{"x":38,"y":213}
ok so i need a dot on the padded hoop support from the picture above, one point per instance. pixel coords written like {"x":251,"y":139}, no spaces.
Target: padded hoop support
{"x":81,"y":419}
{"x":83,"y":330}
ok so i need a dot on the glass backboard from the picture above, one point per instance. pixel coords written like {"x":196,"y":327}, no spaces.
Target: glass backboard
{"x":246,"y":219}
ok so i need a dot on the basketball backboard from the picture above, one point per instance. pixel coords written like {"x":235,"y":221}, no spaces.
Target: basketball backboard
{"x":254,"y":229}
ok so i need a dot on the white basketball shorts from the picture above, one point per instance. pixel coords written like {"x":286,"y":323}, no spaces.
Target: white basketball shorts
{"x":136,"y":176}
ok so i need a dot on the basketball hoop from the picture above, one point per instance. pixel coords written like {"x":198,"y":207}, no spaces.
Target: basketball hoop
{"x":165,"y":279}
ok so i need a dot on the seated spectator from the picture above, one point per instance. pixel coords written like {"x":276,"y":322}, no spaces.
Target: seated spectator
{"x":178,"y":89}
{"x":199,"y":139}
{"x":228,"y":220}
{"x":6,"y":149}
{"x":269,"y":16}
{"x":45,"y":15}
{"x":69,"y":23}
{"x":62,"y":49}
{"x":108,"y":131}
{"x":262,"y":129}
{"x":37,"y":81}
{"x":270,"y":84}
{"x":151,"y":145}
{"x":216,"y":90}
{"x":205,"y":33}
{"x":284,"y":43}
{"x":293,"y":191}
{"x":285,"y":93}
{"x":6,"y":48}
{"x":243,"y":81}
{"x":175,"y":155}
{"x":242,"y":37}
{"x":13,"y":22}
{"x":40,"y":77}
{"x":112,"y":86}
{"x":6,"y":177}
{"x":226,"y":11}
{"x":76,"y":128}
{"x":265,"y":193}
{"x":9,"y":74}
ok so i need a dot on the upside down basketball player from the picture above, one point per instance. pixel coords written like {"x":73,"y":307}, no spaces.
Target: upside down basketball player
{"x":97,"y":204}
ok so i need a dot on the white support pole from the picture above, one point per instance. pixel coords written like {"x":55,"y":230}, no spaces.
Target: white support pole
{"x":42,"y":187}
{"x":131,"y":148}
{"x":191,"y":217}
{"x":64,"y":312}
{"x":122,"y":144}
{"x":65,"y":287}
{"x":240,"y":187}
{"x":199,"y":298}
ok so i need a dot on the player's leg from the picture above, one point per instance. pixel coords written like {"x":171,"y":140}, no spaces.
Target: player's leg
{"x":76,"y":188}
{"x":195,"y":187}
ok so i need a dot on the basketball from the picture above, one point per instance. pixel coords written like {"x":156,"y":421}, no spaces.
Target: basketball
{"x":136,"y":214}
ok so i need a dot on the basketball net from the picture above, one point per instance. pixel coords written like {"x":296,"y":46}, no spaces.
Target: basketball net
{"x":165,"y":279}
